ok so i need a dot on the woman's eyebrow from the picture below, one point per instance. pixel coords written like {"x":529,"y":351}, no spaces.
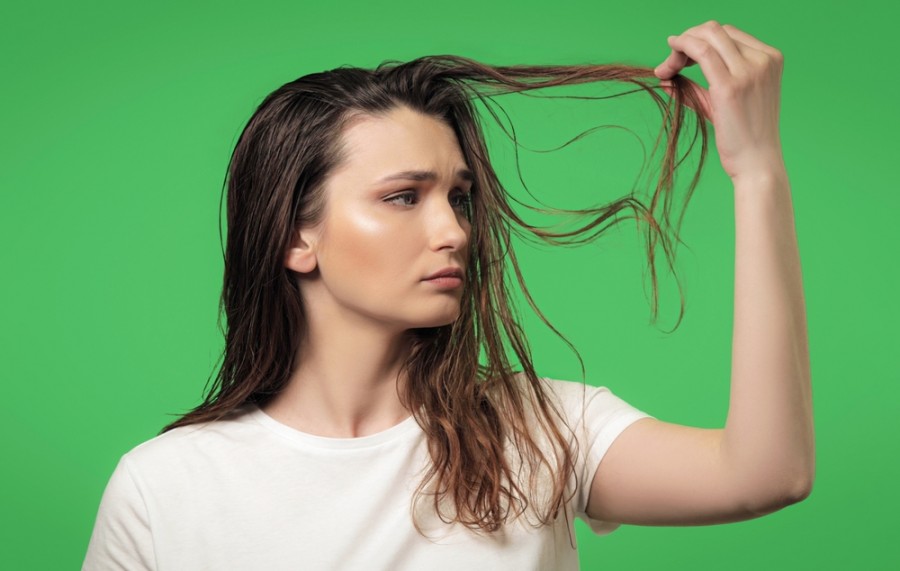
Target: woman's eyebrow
{"x":420,"y":175}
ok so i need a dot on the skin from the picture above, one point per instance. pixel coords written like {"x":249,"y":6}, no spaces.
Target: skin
{"x":659,"y":473}
{"x":360,"y":273}
{"x":360,"y":277}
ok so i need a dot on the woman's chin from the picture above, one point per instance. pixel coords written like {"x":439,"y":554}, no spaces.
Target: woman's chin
{"x":440,"y":320}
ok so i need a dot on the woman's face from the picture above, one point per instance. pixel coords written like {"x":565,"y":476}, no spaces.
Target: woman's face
{"x":384,"y":231}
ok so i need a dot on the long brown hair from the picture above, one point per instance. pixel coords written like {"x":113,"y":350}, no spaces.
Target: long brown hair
{"x":469,"y":410}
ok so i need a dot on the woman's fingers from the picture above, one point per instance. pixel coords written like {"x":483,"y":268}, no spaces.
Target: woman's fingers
{"x":742,"y":100}
{"x":727,"y":45}
{"x":705,"y":109}
{"x":673,"y":64}
{"x":701,"y":51}
{"x":750,"y":41}
{"x":710,"y":39}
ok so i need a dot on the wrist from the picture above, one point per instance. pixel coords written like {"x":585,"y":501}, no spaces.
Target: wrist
{"x":768,"y":170}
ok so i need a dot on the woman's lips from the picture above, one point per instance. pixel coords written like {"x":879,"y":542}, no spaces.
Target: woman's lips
{"x":448,"y":271}
{"x":445,"y":282}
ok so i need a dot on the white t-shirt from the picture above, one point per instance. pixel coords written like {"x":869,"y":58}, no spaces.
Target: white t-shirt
{"x":252,"y":493}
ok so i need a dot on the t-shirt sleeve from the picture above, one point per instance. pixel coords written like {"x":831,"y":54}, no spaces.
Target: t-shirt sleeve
{"x":121,"y":538}
{"x":597,"y":417}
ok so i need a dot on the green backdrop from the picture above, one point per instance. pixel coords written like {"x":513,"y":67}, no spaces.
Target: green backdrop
{"x":118,"y":121}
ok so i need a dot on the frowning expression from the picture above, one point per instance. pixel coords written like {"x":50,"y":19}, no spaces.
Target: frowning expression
{"x":396,"y":212}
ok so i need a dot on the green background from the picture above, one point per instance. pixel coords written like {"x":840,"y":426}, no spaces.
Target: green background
{"x":118,"y":121}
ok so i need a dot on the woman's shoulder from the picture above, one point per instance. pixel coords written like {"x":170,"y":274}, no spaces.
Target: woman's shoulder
{"x":566,"y":388}
{"x":567,"y":392}
{"x":578,"y":401}
{"x":214,"y":437}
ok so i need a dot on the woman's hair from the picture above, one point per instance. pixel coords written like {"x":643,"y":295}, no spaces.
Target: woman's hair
{"x":469,"y":410}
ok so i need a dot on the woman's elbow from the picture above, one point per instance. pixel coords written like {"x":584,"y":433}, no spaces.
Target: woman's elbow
{"x":775,"y":500}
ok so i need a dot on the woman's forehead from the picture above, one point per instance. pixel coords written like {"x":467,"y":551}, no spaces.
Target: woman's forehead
{"x":379,"y":147}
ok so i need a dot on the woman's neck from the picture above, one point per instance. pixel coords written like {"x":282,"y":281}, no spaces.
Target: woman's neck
{"x":346,"y":382}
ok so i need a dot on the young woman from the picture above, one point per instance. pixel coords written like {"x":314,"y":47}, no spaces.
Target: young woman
{"x":366,"y":414}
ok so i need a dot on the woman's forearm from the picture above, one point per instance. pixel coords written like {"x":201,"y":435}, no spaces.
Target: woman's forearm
{"x":768,"y":439}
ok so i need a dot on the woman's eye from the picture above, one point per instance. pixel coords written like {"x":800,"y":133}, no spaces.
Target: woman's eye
{"x":463,"y":201}
{"x":460,"y":200}
{"x":402,"y":197}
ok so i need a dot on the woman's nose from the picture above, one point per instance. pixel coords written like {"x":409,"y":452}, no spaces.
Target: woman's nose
{"x":447,"y":227}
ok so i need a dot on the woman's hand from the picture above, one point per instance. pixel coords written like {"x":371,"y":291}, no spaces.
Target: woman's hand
{"x":744,"y":77}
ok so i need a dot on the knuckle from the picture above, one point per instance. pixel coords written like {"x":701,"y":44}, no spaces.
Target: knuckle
{"x":692,"y":30}
{"x":704,"y":28}
{"x":760,"y":60}
{"x":720,"y":32}
{"x":703,"y":49}
{"x":770,"y":62}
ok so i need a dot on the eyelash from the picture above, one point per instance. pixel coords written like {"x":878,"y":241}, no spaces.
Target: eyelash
{"x":465,"y":204}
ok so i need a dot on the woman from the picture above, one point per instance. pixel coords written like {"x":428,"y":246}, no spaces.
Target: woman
{"x":364,"y":369}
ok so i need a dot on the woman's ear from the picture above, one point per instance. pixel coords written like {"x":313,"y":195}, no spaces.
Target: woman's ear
{"x":301,"y":256}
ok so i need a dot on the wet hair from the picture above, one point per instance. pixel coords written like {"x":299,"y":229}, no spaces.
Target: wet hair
{"x":469,"y":410}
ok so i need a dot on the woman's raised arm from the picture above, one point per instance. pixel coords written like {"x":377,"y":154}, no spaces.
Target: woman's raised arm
{"x":658,"y":473}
